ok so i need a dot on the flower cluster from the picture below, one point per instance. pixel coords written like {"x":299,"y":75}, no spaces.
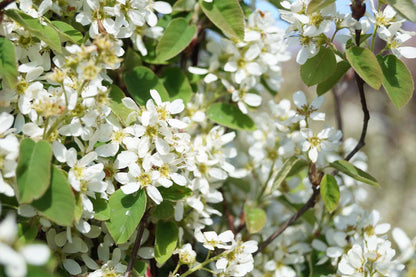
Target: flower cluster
{"x":146,"y":166}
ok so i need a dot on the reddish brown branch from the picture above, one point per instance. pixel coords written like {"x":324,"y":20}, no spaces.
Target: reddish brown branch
{"x":136,"y":246}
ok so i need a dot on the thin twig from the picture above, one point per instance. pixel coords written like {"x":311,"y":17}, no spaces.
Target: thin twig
{"x":136,"y":246}
{"x":360,"y":84}
{"x":230,"y":218}
{"x":5,"y":3}
{"x":310,"y":204}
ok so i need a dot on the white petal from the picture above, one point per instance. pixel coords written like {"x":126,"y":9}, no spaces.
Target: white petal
{"x":313,"y":154}
{"x":130,"y":188}
{"x":299,"y":99}
{"x":176,"y":106}
{"x":197,"y":70}
{"x":162,"y":7}
{"x":334,"y":252}
{"x":154,"y":194}
{"x":226,"y":236}
{"x":178,"y":179}
{"x":36,"y":254}
{"x":407,"y":51}
{"x":252,"y":99}
{"x":155,"y":95}
{"x":6,"y":121}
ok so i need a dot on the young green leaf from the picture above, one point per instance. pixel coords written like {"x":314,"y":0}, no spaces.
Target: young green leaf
{"x":317,"y":5}
{"x":255,"y":218}
{"x":330,"y":192}
{"x":126,"y":211}
{"x":342,"y":68}
{"x":165,"y":241}
{"x":175,"y":192}
{"x":117,"y":106}
{"x":67,"y":32}
{"x":406,"y":8}
{"x":230,"y":116}
{"x":176,"y":38}
{"x":33,"y":169}
{"x":366,"y":65}
{"x":36,"y":28}
{"x":354,"y":172}
{"x":319,"y":67}
{"x":8,"y":62}
{"x":176,"y":83}
{"x":284,"y":171}
{"x":397,"y":80}
{"x":58,"y":202}
{"x":140,"y":81}
{"x":227,"y":15}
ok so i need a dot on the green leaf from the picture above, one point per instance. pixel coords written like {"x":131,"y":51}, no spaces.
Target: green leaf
{"x":67,"y":32}
{"x":36,"y":28}
{"x":176,"y":83}
{"x":126,"y":211}
{"x":58,"y":203}
{"x":354,"y":172}
{"x":175,"y":192}
{"x":151,"y":56}
{"x":297,"y":167}
{"x":330,"y":192}
{"x":164,"y":210}
{"x":230,"y":116}
{"x":8,"y":62}
{"x":319,"y":67}
{"x":284,"y":171}
{"x":184,"y":5}
{"x":365,"y":64}
{"x":131,"y":60}
{"x":101,"y":209}
{"x":255,"y":218}
{"x":117,"y":106}
{"x":227,"y":15}
{"x":405,"y":8}
{"x":140,"y":267}
{"x":342,"y":68}
{"x":176,"y":38}
{"x":165,"y":241}
{"x":26,"y":233}
{"x":33,"y":169}
{"x":38,"y":271}
{"x":140,"y":81}
{"x":397,"y":80}
{"x":317,"y":5}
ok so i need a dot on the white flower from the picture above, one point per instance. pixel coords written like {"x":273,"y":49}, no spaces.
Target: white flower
{"x":137,"y":178}
{"x":325,"y":140}
{"x":238,"y":260}
{"x":186,"y":254}
{"x":305,"y":110}
{"x":210,"y":239}
{"x":14,"y":260}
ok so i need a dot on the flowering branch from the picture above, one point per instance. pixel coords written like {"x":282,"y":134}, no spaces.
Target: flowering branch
{"x":310,"y":204}
{"x":358,"y":10}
